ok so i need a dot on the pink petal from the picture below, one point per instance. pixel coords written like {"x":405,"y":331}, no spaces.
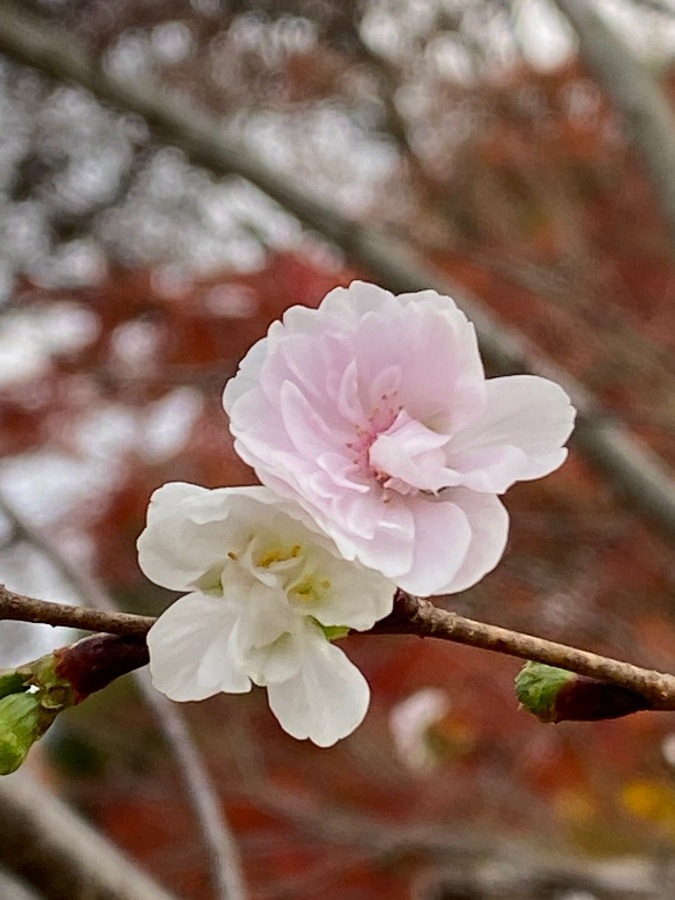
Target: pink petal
{"x":490,"y":469}
{"x":489,"y":523}
{"x":351,"y":303}
{"x":520,"y":435}
{"x":442,"y":539}
{"x":411,"y":454}
{"x":304,"y":426}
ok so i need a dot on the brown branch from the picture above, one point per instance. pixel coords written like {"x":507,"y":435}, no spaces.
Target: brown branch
{"x":19,"y":608}
{"x":636,"y":473}
{"x":413,"y":616}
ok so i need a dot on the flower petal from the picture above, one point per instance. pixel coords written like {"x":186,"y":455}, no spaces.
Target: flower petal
{"x":189,"y":653}
{"x":348,"y":595}
{"x":442,"y":539}
{"x":353,"y":302}
{"x":489,"y":524}
{"x":191,"y":529}
{"x":173,"y":550}
{"x":520,"y":435}
{"x":411,"y":455}
{"x":327,"y":699}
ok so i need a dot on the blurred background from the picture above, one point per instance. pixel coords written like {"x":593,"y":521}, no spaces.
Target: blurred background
{"x":137,"y":265}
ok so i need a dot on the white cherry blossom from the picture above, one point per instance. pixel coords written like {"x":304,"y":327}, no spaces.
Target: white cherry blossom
{"x":266,"y":595}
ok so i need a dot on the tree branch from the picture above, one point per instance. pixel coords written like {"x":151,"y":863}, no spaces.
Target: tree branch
{"x":633,"y":470}
{"x":18,"y":608}
{"x":223,"y":855}
{"x":58,"y":852}
{"x":411,"y":615}
{"x":636,"y":95}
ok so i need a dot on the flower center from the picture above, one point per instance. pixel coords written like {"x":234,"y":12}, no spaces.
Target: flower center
{"x":380,"y":419}
{"x":408,"y":457}
{"x":311,"y":590}
{"x":278,"y":555}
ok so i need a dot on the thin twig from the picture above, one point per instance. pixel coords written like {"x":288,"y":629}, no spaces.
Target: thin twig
{"x":636,"y":473}
{"x":225,"y":864}
{"x":411,"y":615}
{"x":18,"y":608}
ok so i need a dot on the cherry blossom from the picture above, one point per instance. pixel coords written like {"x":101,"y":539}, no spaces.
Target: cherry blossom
{"x":374,"y":414}
{"x":266,"y":595}
{"x":414,"y":723}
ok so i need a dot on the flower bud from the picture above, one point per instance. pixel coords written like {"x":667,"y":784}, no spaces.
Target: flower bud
{"x":557,"y":695}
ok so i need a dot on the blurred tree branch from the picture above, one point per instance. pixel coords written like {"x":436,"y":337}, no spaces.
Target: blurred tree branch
{"x":222,"y":851}
{"x":633,"y":470}
{"x":13,"y":889}
{"x":469,"y":858}
{"x":636,"y":95}
{"x":58,"y":852}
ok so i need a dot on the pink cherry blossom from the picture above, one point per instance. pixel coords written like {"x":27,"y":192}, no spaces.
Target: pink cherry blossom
{"x":373,"y":413}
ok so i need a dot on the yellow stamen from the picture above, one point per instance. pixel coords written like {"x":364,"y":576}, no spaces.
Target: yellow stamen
{"x":310,"y":591}
{"x":279,"y":555}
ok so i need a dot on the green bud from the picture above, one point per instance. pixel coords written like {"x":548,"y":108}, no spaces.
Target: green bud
{"x":537,"y":688}
{"x":20,"y":727}
{"x":556,"y":695}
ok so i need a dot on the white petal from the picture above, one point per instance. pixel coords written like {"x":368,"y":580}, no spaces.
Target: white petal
{"x":357,"y":597}
{"x":442,"y":538}
{"x":327,"y":699}
{"x":519,"y":437}
{"x":173,"y":550}
{"x":276,"y":662}
{"x":264,"y":615}
{"x":189,"y":654}
{"x":167,"y":497}
{"x":489,"y":523}
{"x":191,"y":529}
